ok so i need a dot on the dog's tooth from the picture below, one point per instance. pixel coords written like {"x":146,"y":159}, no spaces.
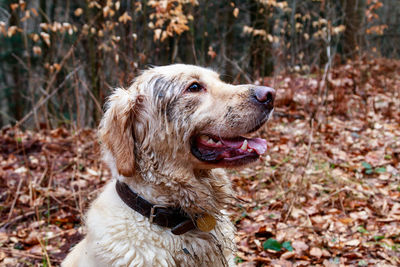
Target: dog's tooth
{"x":219,"y":143}
{"x":244,"y":145}
{"x":210,"y":141}
{"x":250,"y":150}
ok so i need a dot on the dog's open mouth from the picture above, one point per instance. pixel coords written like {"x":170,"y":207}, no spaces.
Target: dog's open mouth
{"x":227,"y":151}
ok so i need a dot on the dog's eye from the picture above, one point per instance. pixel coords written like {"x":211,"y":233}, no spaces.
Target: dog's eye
{"x":195,"y":87}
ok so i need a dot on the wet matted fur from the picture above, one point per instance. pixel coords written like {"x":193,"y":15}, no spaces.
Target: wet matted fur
{"x":148,"y":134}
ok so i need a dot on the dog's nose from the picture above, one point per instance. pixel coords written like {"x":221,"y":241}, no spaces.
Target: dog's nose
{"x":265,"y":95}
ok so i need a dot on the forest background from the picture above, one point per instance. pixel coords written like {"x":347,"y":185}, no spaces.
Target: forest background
{"x":74,"y":52}
{"x":328,"y":193}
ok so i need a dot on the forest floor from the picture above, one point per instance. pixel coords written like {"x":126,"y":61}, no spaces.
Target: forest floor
{"x":327,"y":193}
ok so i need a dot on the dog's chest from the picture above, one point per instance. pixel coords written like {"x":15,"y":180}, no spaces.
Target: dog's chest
{"x":123,"y":237}
{"x":154,"y":246}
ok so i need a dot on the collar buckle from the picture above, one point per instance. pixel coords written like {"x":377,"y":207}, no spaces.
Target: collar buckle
{"x":153,"y":210}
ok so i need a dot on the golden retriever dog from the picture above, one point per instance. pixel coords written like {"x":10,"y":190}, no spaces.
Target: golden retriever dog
{"x":164,"y":139}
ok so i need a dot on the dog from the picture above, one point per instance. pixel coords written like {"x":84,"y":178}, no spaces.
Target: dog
{"x":165,"y":140}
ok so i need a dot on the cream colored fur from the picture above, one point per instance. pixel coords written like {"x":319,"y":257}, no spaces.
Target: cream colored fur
{"x":145,"y":134}
{"x":119,"y":236}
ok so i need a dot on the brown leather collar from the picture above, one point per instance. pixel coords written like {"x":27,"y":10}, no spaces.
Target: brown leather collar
{"x":164,"y":216}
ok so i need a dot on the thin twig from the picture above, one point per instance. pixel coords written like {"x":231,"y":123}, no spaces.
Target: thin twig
{"x":310,"y":140}
{"x":322,"y":88}
{"x":54,"y":76}
{"x":44,"y":100}
{"x":246,"y":77}
{"x":306,"y":162}
{"x":26,"y":254}
{"x":43,"y":246}
{"x":96,"y":102}
{"x":20,"y":217}
{"x":15,"y":199}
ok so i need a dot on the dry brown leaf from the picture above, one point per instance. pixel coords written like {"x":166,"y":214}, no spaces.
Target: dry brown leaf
{"x":2,"y":255}
{"x":78,"y":12}
{"x":124,"y":18}
{"x":236,"y":12}
{"x":287,"y":255}
{"x":33,"y":238}
{"x":316,"y":252}
{"x":299,"y":246}
{"x":352,"y":243}
{"x":3,"y":237}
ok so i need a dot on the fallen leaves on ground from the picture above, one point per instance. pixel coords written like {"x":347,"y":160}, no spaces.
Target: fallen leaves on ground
{"x":47,"y":181}
{"x":341,"y":206}
{"x":326,"y":194}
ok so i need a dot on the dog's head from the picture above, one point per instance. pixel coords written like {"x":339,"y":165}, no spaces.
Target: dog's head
{"x":183,"y":114}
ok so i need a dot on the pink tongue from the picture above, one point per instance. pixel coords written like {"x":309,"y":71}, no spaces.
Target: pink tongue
{"x":258,"y":144}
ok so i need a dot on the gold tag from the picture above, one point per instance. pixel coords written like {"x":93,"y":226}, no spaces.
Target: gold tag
{"x":206,"y":222}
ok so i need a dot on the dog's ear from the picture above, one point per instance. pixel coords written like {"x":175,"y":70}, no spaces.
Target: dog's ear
{"x":116,"y":129}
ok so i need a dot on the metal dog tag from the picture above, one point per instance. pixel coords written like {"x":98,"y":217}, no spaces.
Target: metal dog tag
{"x":205,"y":222}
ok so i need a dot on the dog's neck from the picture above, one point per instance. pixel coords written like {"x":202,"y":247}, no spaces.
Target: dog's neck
{"x":195,"y":191}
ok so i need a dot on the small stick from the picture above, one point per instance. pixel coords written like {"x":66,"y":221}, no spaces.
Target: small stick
{"x":26,"y":254}
{"x":44,"y":100}
{"x":15,"y":199}
{"x":19,"y":217}
{"x":300,"y":182}
{"x":43,"y":246}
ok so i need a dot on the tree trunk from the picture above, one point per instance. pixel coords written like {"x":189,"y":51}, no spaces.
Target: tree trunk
{"x":354,"y":11}
{"x":260,"y":49}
